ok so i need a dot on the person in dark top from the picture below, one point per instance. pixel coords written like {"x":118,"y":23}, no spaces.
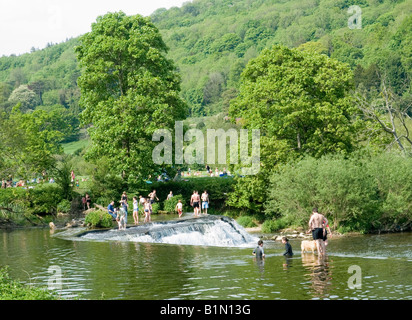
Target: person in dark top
{"x":110,"y":210}
{"x":288,"y":247}
{"x":258,"y":252}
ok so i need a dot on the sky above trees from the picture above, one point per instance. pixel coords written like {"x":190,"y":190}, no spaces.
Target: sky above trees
{"x":27,"y":24}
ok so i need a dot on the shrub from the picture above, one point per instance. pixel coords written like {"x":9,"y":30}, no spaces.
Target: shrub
{"x":14,"y":290}
{"x":273,"y":225}
{"x":155,"y":207}
{"x":217,"y":188}
{"x":362,"y":193}
{"x":246,"y":221}
{"x":99,"y":219}
{"x":64,"y":206}
{"x":44,"y":199}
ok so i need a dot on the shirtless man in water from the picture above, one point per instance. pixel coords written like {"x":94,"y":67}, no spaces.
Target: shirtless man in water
{"x":317,"y":224}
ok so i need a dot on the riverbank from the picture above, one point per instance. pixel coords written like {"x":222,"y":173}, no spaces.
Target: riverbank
{"x":291,"y":233}
{"x":165,"y":271}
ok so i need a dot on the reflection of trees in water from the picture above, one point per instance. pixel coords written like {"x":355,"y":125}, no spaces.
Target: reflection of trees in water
{"x":319,"y":273}
{"x":260,"y":263}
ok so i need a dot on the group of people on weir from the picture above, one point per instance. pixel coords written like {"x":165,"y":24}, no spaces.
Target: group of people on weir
{"x":119,"y":214}
{"x":318,"y":223}
{"x":318,"y":226}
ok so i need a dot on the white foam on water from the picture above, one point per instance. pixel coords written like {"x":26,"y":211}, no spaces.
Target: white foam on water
{"x":202,"y":232}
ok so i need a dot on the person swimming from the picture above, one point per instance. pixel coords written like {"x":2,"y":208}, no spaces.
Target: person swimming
{"x":288,"y":247}
{"x":258,"y":251}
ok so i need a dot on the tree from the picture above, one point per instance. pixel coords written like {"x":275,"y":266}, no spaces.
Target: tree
{"x":5,"y":91}
{"x":300,"y":101}
{"x":62,"y":175}
{"x":25,"y":96}
{"x":390,"y":116}
{"x":128,"y":90}
{"x":27,"y":143}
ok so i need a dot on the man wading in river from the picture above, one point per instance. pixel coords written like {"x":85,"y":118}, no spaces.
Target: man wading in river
{"x":317,"y":224}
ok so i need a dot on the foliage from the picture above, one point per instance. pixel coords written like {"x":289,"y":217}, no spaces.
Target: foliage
{"x":216,"y":187}
{"x":246,"y":221}
{"x":273,"y":225}
{"x":124,"y":69}
{"x":360,"y":193}
{"x":62,"y":177}
{"x":23,"y":95}
{"x":215,"y":36}
{"x":99,"y":219}
{"x":27,"y":143}
{"x":390,"y":116}
{"x":170,"y":205}
{"x":249,"y":193}
{"x":14,"y":290}
{"x":106,"y":186}
{"x":64,"y":206}
{"x":301,"y":104}
{"x":155,"y":207}
{"x":41,"y":200}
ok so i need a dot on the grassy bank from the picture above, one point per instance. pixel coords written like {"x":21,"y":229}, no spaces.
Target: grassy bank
{"x":14,"y":290}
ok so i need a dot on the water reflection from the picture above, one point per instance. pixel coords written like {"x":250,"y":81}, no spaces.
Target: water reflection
{"x":260,"y":264}
{"x":319,"y":272}
{"x":131,"y":270}
{"x":288,"y":262}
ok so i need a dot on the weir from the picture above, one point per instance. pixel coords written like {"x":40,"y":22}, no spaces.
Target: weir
{"x":206,"y":231}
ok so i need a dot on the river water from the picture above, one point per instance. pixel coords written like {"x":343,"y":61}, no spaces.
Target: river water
{"x":130,"y":265}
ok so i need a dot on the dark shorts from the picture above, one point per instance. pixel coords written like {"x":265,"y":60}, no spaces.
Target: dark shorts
{"x":196,"y":204}
{"x":317,"y":234}
{"x":326,"y":236}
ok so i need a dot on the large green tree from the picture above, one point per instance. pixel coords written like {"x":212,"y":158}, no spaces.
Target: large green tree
{"x":28,"y":142}
{"x":300,"y":101}
{"x":129,"y":88}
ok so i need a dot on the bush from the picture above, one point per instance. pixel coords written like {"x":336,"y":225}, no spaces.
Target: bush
{"x":99,"y":219}
{"x":43,"y":199}
{"x":64,"y":206}
{"x":14,"y":290}
{"x":246,"y":221}
{"x":155,"y":207}
{"x":272,"y":225}
{"x":217,"y":188}
{"x":363,"y":193}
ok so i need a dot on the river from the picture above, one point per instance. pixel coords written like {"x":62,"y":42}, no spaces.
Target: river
{"x":116,"y":265}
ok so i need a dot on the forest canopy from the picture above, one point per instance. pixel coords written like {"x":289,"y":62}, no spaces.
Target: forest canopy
{"x":212,"y":41}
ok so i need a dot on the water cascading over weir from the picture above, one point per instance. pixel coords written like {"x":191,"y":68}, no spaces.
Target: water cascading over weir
{"x":205,"y":231}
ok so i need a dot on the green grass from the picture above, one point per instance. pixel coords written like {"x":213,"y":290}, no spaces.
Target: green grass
{"x":72,"y":147}
{"x":13,"y":290}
